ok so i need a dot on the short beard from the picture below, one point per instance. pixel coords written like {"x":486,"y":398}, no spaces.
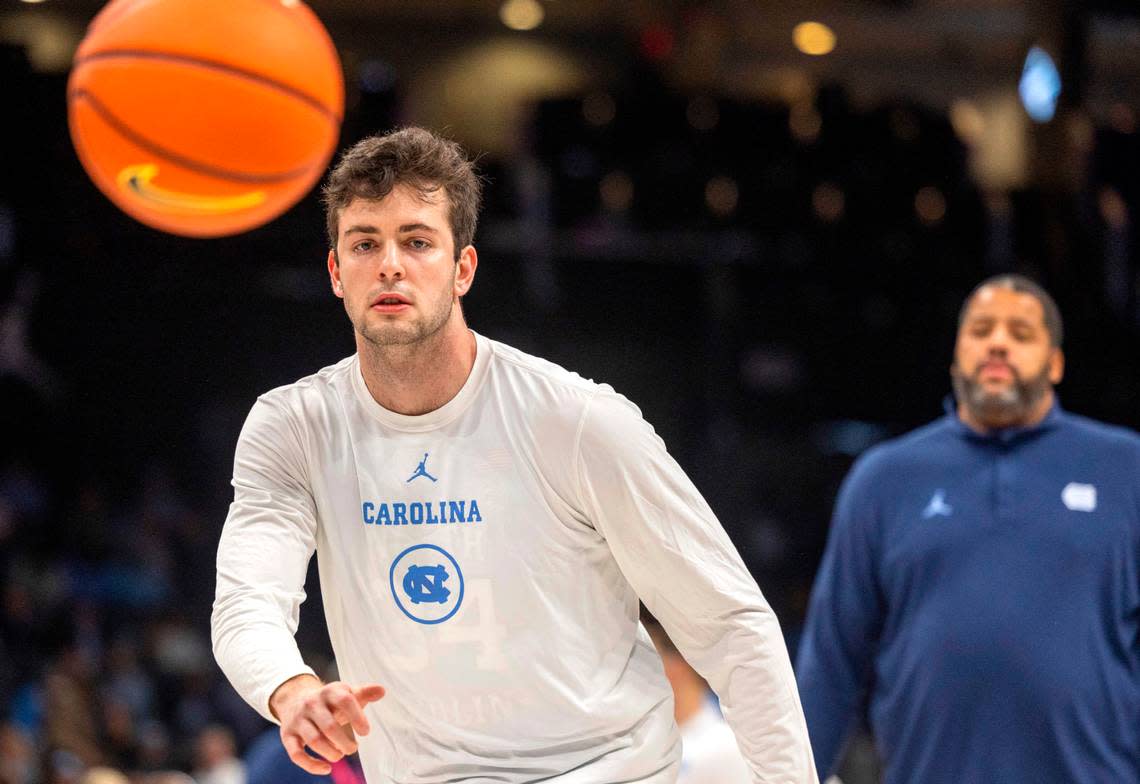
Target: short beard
{"x":384,"y":336}
{"x":1012,"y":407}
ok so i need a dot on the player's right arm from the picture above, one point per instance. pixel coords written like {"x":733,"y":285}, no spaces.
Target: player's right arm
{"x":843,"y":621}
{"x":268,"y":539}
{"x":263,"y":555}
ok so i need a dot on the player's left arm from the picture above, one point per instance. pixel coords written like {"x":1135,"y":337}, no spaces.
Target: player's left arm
{"x":677,"y":557}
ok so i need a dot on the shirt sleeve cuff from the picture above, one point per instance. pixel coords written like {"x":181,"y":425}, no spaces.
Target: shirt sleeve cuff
{"x":261,"y":699}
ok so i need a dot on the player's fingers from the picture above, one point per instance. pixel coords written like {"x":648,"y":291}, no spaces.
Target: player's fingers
{"x":351,"y":714}
{"x":343,"y":739}
{"x":296,"y":750}
{"x":368,"y":693}
{"x":329,"y":726}
{"x":350,"y":710}
{"x":312,"y":735}
{"x":341,"y":703}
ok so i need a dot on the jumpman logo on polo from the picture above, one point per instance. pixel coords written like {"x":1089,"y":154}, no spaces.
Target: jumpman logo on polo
{"x":421,"y":470}
{"x":938,"y":505}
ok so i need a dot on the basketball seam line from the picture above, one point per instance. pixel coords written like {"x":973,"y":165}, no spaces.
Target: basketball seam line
{"x":179,"y":159}
{"x":111,"y":54}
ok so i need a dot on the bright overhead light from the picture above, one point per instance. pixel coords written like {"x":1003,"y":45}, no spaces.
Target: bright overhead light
{"x":521,"y":14}
{"x":813,"y":38}
{"x":31,"y":2}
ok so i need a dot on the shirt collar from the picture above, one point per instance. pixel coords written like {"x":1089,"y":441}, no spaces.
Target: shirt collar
{"x":1005,"y":435}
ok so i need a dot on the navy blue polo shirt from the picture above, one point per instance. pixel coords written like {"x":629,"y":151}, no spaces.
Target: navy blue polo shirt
{"x":981,"y":592}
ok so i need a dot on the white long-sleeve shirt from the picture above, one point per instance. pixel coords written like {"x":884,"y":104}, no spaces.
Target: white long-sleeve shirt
{"x":483,"y":562}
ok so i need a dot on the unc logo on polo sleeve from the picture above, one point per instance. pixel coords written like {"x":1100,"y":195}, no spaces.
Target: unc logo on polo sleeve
{"x":1079,"y":497}
{"x":426,"y":583}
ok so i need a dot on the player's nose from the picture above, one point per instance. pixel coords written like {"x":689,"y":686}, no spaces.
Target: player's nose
{"x":390,"y":265}
{"x":998,"y":341}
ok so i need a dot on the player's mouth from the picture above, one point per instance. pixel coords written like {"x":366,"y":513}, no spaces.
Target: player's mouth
{"x":995,"y":370}
{"x":390,"y":302}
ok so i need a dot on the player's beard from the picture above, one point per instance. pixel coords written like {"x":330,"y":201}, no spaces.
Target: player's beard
{"x":397,"y":333}
{"x":1011,"y":406}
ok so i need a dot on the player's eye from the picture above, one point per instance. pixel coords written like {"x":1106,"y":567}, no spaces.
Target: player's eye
{"x":419,"y":244}
{"x":364,"y":246}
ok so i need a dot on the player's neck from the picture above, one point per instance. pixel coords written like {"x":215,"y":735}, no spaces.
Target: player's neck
{"x":418,"y":378}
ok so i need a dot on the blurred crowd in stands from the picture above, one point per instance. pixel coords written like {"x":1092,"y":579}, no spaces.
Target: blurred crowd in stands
{"x":105,"y":640}
{"x":108,"y":676}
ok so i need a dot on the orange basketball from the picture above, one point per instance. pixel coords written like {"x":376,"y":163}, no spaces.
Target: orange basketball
{"x":205,"y":117}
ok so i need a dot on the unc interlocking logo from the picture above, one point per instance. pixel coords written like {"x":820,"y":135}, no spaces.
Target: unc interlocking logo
{"x":417,"y":579}
{"x":425,"y":584}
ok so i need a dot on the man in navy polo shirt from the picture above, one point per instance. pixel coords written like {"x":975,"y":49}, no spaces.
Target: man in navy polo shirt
{"x":980,"y":591}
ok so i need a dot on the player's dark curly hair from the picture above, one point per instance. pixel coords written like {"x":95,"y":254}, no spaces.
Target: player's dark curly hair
{"x":410,"y":156}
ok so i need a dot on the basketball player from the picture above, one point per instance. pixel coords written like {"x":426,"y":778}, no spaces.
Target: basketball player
{"x":485,"y":523}
{"x":981,"y":584}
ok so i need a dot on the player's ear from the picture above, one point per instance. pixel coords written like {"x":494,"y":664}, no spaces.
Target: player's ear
{"x":465,"y":270}
{"x":1056,"y":366}
{"x":334,"y":274}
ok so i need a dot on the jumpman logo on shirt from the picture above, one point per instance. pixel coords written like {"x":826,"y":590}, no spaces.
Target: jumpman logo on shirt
{"x":421,"y":470}
{"x":938,"y":505}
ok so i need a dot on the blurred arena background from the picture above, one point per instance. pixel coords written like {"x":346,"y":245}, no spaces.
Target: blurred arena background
{"x":762,"y":247}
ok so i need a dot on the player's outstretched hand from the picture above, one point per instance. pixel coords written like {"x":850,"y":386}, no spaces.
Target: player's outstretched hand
{"x":318,"y":715}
